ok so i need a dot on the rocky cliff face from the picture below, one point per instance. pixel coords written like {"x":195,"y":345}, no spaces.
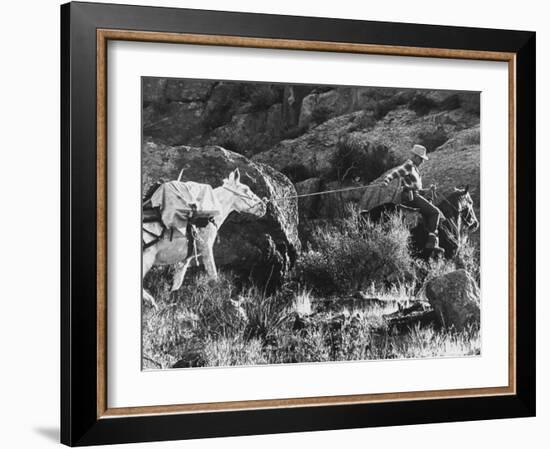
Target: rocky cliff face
{"x":328,"y":136}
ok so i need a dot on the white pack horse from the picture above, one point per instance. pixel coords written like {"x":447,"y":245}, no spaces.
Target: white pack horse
{"x":231,"y":196}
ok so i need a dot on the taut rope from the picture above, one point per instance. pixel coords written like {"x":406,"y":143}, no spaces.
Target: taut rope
{"x":325,"y":192}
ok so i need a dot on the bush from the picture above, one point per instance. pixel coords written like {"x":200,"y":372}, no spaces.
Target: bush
{"x":422,"y":342}
{"x":358,"y":157}
{"x":232,"y":351}
{"x":433,"y":139}
{"x":321,"y":114}
{"x":466,"y":257}
{"x":262,"y":96}
{"x":264,"y":314}
{"x":307,"y":346}
{"x":450,"y":103}
{"x":296,"y":172}
{"x":212,"y":301}
{"x":355,"y":254}
{"x":422,"y":104}
{"x":382,"y":107}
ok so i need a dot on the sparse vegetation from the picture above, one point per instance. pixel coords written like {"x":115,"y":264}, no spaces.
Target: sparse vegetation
{"x":422,"y":104}
{"x":214,"y":323}
{"x":320,"y":115}
{"x":358,"y":158}
{"x":433,"y":139}
{"x":355,"y":253}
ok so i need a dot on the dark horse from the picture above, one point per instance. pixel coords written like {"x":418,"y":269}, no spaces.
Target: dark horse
{"x":458,"y":218}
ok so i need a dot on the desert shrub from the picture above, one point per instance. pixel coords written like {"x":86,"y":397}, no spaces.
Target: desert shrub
{"x":422,"y":342}
{"x":450,"y":103}
{"x":467,"y":257}
{"x":433,"y":139}
{"x":307,"y":346}
{"x":292,"y":132}
{"x":355,"y":253}
{"x":261,"y":96}
{"x":232,"y":351}
{"x":422,"y":104}
{"x":215,"y":117}
{"x":470,"y":102}
{"x":433,"y":268}
{"x":364,"y":121}
{"x":264,"y":314}
{"x":357,"y":157}
{"x":470,"y":137}
{"x":212,"y":302}
{"x":382,"y":107}
{"x":166,"y":335}
{"x":350,"y":337}
{"x":296,"y":172}
{"x":320,"y":115}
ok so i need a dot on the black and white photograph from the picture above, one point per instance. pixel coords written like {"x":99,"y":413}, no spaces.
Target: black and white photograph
{"x":294,"y":223}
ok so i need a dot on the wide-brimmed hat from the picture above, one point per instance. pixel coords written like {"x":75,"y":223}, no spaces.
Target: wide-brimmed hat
{"x":420,"y":150}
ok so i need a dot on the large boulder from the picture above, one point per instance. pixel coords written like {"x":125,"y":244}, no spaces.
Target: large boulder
{"x":455,"y":299}
{"x":262,"y":249}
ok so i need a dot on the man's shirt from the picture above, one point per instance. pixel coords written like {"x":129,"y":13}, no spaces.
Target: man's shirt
{"x":409,"y":173}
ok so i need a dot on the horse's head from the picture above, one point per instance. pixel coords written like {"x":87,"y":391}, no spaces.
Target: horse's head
{"x":464,"y":205}
{"x":244,"y":199}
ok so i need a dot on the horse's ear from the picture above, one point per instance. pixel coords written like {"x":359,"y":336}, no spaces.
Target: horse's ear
{"x":466,"y":188}
{"x":237,"y":175}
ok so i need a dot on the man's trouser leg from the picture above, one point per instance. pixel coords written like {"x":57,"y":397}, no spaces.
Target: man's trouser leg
{"x":430,"y":213}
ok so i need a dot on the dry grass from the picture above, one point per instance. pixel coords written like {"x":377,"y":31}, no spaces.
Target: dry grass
{"x":214,"y":323}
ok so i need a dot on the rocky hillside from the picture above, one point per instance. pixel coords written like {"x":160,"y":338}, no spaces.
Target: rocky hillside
{"x":321,"y":137}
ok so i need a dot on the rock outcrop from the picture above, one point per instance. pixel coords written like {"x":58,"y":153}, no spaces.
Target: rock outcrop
{"x":455,"y":300}
{"x":342,"y":136}
{"x":263,"y":249}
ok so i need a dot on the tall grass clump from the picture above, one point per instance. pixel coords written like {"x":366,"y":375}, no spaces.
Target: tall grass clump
{"x":232,"y":351}
{"x":466,"y":257}
{"x":355,"y":253}
{"x":422,"y":342}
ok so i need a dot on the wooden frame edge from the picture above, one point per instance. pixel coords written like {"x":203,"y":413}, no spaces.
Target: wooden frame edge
{"x":103,"y":36}
{"x":291,"y":44}
{"x":101,"y":223}
{"x":319,"y":401}
{"x":512,"y":225}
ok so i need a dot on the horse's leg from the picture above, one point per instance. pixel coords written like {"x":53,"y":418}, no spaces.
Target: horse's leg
{"x":210,"y":264}
{"x":148,"y":259}
{"x":207,"y":253}
{"x":181,"y":269}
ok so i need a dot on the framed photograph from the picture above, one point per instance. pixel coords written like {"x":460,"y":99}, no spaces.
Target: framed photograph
{"x":283,"y":224}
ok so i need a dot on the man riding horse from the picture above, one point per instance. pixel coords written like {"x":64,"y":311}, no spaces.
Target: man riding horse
{"x":413,"y":195}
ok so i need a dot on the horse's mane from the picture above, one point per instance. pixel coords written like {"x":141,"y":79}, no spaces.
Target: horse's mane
{"x":449,"y":205}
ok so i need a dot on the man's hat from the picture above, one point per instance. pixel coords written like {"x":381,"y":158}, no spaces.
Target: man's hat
{"x":420,"y":150}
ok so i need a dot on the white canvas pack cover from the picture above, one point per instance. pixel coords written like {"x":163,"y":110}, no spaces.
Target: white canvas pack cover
{"x":378,"y":193}
{"x":176,"y":199}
